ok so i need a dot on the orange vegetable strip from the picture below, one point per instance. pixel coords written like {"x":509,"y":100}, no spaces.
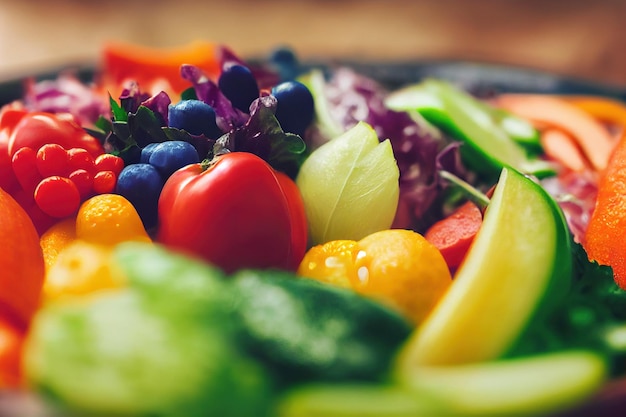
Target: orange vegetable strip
{"x":606,"y":110}
{"x":563,"y":148}
{"x":146,"y":65}
{"x":605,"y":238}
{"x":454,"y":234}
{"x":593,"y":138}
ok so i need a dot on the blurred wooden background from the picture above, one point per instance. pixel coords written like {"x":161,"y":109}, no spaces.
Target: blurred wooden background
{"x":574,"y":37}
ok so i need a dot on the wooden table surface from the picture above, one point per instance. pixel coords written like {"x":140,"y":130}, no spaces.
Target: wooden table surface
{"x":573,"y":37}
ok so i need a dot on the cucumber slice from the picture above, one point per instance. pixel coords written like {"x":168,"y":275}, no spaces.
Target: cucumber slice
{"x":518,"y":265}
{"x":357,"y":400}
{"x":494,"y":138}
{"x":525,"y":386}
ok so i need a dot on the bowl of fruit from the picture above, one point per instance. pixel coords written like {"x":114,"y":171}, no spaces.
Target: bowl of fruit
{"x":193,"y":233}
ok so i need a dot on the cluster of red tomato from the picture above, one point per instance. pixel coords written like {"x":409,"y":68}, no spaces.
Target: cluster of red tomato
{"x":49,"y":164}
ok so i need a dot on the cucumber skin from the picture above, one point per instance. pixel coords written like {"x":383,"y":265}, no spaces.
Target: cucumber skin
{"x":560,"y":283}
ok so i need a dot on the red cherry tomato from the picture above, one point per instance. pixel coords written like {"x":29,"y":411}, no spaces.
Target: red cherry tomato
{"x":83,"y":182}
{"x":109,"y":162}
{"x":52,"y":160}
{"x":104,"y":182}
{"x":237,"y":213}
{"x":24,"y":164}
{"x":79,"y":158}
{"x":57,"y":197}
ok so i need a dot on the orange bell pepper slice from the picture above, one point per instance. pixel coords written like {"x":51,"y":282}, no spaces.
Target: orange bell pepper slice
{"x":123,"y":62}
{"x":606,"y":110}
{"x":605,"y":238}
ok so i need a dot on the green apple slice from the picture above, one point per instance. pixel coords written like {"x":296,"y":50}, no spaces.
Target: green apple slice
{"x":520,"y":261}
{"x":350,"y":186}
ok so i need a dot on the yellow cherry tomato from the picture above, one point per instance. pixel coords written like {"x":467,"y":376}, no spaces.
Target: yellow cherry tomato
{"x":57,"y":238}
{"x":109,"y":219}
{"x":397,"y":267}
{"x":331,"y":262}
{"x":82,"y":268}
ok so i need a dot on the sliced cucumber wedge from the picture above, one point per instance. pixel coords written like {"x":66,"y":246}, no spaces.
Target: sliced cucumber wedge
{"x":518,"y":265}
{"x":536,"y":385}
{"x":515,"y":387}
{"x":494,"y":138}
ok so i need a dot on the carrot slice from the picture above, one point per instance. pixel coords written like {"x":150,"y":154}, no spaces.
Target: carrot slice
{"x":545,"y":110}
{"x":146,"y":65}
{"x":607,"y":110}
{"x":454,"y":234}
{"x":605,"y":238}
{"x":561,"y":147}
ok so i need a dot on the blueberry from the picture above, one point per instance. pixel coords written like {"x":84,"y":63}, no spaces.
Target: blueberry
{"x":194,"y":116}
{"x":295,"y":108}
{"x":146,"y":151}
{"x":238,"y":84}
{"x":286,"y":62}
{"x":167,"y":157}
{"x":141,"y":184}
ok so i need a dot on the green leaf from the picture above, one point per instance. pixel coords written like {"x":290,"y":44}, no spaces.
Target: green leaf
{"x":104,"y":124}
{"x":189,"y":94}
{"x":119,"y":114}
{"x":177,"y":134}
{"x":145,"y":127}
{"x":122,"y":131}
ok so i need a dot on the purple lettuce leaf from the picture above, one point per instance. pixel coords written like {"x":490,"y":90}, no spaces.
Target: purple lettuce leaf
{"x":159,"y":104}
{"x":132,"y":97}
{"x":227,"y":116}
{"x":66,"y":94}
{"x":263,"y":136}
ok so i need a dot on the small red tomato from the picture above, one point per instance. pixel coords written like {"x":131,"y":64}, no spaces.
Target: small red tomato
{"x":79,"y":158}
{"x":104,"y":182}
{"x":57,"y":197}
{"x":237,"y":213}
{"x":24,"y":165}
{"x":52,"y":160}
{"x":83,"y":182}
{"x":109,"y":162}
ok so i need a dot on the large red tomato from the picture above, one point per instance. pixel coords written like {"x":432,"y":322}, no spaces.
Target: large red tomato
{"x":236,"y":213}
{"x":35,"y":129}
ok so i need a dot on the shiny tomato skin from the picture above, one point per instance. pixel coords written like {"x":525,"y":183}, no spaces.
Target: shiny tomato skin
{"x":36,"y":129}
{"x":8,"y":182}
{"x":299,"y":226}
{"x":235,"y":214}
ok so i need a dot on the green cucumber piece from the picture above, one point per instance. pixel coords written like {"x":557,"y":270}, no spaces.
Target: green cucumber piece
{"x":516,"y":270}
{"x":304,"y":329}
{"x":357,"y":400}
{"x":494,"y":138}
{"x":526,"y":386}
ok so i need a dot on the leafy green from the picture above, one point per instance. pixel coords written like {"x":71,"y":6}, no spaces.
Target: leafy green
{"x":263,"y":136}
{"x":588,"y":316}
{"x":119,"y":113}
